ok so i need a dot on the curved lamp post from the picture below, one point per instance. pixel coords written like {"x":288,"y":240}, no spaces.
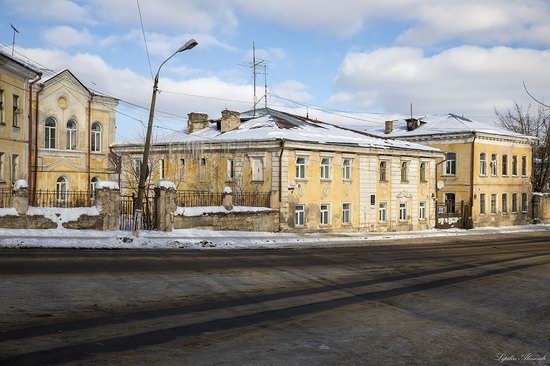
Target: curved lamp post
{"x":144,"y":166}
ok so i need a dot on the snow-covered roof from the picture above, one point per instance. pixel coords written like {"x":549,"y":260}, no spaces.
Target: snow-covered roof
{"x":436,"y":124}
{"x":270,"y":125}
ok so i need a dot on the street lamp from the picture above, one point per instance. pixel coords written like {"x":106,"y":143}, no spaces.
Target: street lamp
{"x":144,"y":166}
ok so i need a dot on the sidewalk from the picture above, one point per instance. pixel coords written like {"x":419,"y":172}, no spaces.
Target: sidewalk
{"x":208,"y":239}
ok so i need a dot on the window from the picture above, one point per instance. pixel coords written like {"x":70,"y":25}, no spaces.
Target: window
{"x":514,"y":165}
{"x":450,"y":202}
{"x":93,"y":184}
{"x":161,"y":168}
{"x":404,"y":171}
{"x":346,"y":213}
{"x":16,"y":111}
{"x":2,"y":107}
{"x":383,"y":177}
{"x":382,"y":212}
{"x":450,"y":164}
{"x":49,"y":133}
{"x":493,"y":203}
{"x":257,"y":169}
{"x":504,"y":165}
{"x":402,"y":211}
{"x":230,"y":170}
{"x":1,"y":167}
{"x":182,"y":169}
{"x":524,"y":202}
{"x":71,"y":135}
{"x":96,"y":137}
{"x":482,"y":164}
{"x":137,"y":167}
{"x":504,"y":203}
{"x":346,"y":169}
{"x":325,"y":168}
{"x":299,"y":215}
{"x":14,"y":167}
{"x":514,"y":203}
{"x":202,"y":170}
{"x":482,"y":203}
{"x":422,"y":211}
{"x":494,"y":165}
{"x":61,"y":189}
{"x":301,"y":167}
{"x":325,"y":214}
{"x":524,"y":166}
{"x":423,"y":172}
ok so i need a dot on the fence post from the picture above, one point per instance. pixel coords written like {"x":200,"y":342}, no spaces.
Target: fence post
{"x":165,"y":205}
{"x":227,"y":201}
{"x":107,"y":200}
{"x":20,"y":199}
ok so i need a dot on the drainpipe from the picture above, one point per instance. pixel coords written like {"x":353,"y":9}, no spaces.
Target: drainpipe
{"x":89,"y":137}
{"x":31,"y":84}
{"x":118,"y":162}
{"x":281,"y":172}
{"x":472,"y":180}
{"x":35,"y":171}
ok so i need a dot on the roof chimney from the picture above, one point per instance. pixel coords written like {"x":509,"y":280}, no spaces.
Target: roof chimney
{"x":412,"y":124}
{"x":389,"y":127}
{"x":196,"y":121}
{"x":230,"y":120}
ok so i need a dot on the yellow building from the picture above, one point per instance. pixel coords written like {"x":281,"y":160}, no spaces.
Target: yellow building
{"x":15,"y":77}
{"x":319,"y":176}
{"x":485,"y":178}
{"x":75,"y":130}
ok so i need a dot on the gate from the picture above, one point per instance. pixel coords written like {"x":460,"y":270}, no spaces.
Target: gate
{"x":449,"y":215}
{"x":148,"y":216}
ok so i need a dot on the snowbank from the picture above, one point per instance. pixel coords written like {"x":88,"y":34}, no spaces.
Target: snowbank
{"x":8,"y":211}
{"x":205,"y":210}
{"x":62,"y":215}
{"x":166,"y":184}
{"x":106,"y":184}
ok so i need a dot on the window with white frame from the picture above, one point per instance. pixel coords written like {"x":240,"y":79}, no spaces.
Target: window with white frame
{"x":493,"y":203}
{"x":402,"y":211}
{"x":61,"y":189}
{"x":299,"y":215}
{"x":137,"y":167}
{"x":1,"y":167}
{"x":494,"y":165}
{"x":383,"y":173}
{"x":514,"y":165}
{"x":202,"y":170}
{"x":382,"y":212}
{"x":346,"y":169}
{"x":14,"y":168}
{"x":504,"y":206}
{"x":482,"y":203}
{"x":325,"y":168}
{"x":161,"y":168}
{"x":422,"y":210}
{"x":301,"y":167}
{"x":346,"y":213}
{"x":524,"y":166}
{"x":257,"y":169}
{"x":524,"y":202}
{"x":325,"y":214}
{"x":93,"y":184}
{"x":450,"y":164}
{"x":2,"y":104}
{"x":482,"y":164}
{"x":16,"y":111}
{"x":181,"y":169}
{"x":504,"y":165}
{"x":423,"y":172}
{"x":49,"y":133}
{"x":96,"y":137}
{"x":514,"y":203}
{"x":404,"y":171}
{"x":230,"y":170}
{"x":71,"y":135}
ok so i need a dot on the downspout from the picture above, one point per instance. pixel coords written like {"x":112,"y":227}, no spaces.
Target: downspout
{"x":30,"y":178}
{"x":472,"y":181}
{"x":89,"y":138}
{"x":118,"y":162}
{"x":35,"y":179}
{"x":280,"y":179}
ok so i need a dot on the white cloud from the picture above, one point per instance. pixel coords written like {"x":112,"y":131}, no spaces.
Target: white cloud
{"x":470,"y":80}
{"x":66,"y":37}
{"x":66,"y":10}
{"x":292,"y":90}
{"x":268,"y":54}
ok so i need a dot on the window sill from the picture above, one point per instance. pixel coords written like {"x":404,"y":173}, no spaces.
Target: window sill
{"x":300,"y":179}
{"x":422,"y":219}
{"x":384,"y":181}
{"x":449,"y":175}
{"x":229,"y":180}
{"x":326,"y":180}
{"x":347,"y":180}
{"x":256,"y":181}
{"x":346,"y":224}
{"x":405,"y":181}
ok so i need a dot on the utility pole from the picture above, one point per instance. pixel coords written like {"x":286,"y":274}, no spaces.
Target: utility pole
{"x":13,"y":41}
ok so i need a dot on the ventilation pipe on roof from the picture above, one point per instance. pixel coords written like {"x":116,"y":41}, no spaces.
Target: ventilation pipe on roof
{"x":389,"y":127}
{"x":230,"y":120}
{"x":196,"y":121}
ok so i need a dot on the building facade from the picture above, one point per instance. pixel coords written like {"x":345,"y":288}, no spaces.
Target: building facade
{"x":320,"y":176}
{"x":15,"y":77}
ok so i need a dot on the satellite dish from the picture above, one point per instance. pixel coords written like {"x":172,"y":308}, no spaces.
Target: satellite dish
{"x":440,"y":184}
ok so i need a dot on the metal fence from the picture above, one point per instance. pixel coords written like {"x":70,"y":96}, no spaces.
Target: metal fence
{"x":148,"y":217}
{"x":204,"y":198}
{"x":5,"y":197}
{"x":64,"y":199}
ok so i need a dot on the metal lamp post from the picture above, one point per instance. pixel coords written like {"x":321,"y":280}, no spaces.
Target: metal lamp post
{"x":144,"y":163}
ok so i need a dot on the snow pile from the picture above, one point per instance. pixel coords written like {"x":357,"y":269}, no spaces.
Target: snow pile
{"x":20,"y":183}
{"x":62,"y":215}
{"x":227,"y":190}
{"x":205,"y":210}
{"x":8,"y":211}
{"x":106,"y":184}
{"x":166,"y":184}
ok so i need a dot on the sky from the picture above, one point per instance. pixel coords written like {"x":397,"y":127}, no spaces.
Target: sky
{"x":331,"y":59}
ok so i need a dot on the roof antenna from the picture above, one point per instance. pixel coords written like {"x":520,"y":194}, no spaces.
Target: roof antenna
{"x":13,"y":42}
{"x":411,"y":110}
{"x":307,"y":112}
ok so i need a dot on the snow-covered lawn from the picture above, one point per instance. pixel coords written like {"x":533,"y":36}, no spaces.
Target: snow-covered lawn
{"x":208,"y":239}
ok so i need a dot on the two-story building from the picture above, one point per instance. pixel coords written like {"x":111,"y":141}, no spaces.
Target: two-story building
{"x":320,"y":176}
{"x":485,"y":177}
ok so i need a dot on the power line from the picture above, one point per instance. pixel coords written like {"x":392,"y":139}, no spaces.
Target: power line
{"x":144,"y":39}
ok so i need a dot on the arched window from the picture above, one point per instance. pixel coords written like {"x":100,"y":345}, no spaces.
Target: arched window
{"x":61,"y":189}
{"x":71,"y":135}
{"x":93,"y":183}
{"x":49,"y":133}
{"x":96,"y":136}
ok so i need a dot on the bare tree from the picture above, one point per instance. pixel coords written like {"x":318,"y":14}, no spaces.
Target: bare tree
{"x":535,"y":124}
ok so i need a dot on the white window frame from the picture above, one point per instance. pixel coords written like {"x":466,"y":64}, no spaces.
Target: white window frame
{"x":230,"y":170}
{"x":504,"y":203}
{"x":402,"y":211}
{"x":181,"y":169}
{"x":383,"y":173}
{"x":422,"y":210}
{"x":14,"y":168}
{"x":299,"y":215}
{"x":301,"y":167}
{"x":482,"y":203}
{"x":15,"y":116}
{"x":203,"y":169}
{"x":346,"y":169}
{"x":61,"y":189}
{"x":422,"y":173}
{"x":524,"y":202}
{"x":325,"y":168}
{"x":524,"y":166}
{"x":96,"y":137}
{"x":324,"y":216}
{"x":494,"y":165}
{"x":71,"y":135}
{"x":404,"y":172}
{"x":505,"y":165}
{"x":93,"y":183}
{"x":383,"y":212}
{"x":514,"y":202}
{"x":450,"y":164}
{"x":50,"y":133}
{"x":346,"y":213}
{"x":161,"y":168}
{"x":514,"y":165}
{"x":494,"y":203}
{"x":483,"y":164}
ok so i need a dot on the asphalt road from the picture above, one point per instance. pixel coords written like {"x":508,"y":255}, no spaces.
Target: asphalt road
{"x":466,"y":300}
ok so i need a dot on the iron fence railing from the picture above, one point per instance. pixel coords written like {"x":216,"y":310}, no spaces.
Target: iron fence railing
{"x":253,"y":199}
{"x":64,"y":199}
{"x":204,"y":198}
{"x":5,"y":197}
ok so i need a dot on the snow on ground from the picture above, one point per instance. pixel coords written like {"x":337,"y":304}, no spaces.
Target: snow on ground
{"x":208,"y":239}
{"x":205,"y":210}
{"x":62,"y":215}
{"x":8,"y":211}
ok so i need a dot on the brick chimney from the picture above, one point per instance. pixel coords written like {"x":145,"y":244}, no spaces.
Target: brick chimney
{"x":388,"y":127}
{"x":196,"y":121}
{"x":230,"y":120}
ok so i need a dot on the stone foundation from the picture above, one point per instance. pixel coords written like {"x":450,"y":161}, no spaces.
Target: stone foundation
{"x":240,"y":221}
